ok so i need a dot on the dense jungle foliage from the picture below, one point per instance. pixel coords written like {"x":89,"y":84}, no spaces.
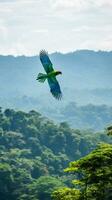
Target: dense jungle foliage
{"x":93,"y":177}
{"x":34,"y":152}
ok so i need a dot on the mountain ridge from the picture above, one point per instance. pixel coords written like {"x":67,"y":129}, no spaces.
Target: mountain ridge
{"x":86,"y":79}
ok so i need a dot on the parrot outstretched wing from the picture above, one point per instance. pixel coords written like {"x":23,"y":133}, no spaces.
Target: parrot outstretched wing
{"x":55,"y":88}
{"x":47,"y":64}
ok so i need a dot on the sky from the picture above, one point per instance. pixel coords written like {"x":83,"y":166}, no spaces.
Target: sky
{"x":27,"y":26}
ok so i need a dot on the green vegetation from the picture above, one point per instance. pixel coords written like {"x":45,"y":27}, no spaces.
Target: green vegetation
{"x":88,"y":116}
{"x":34,"y":151}
{"x":93,"y":177}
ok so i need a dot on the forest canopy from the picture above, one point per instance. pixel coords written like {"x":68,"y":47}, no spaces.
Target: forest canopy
{"x":34,"y":151}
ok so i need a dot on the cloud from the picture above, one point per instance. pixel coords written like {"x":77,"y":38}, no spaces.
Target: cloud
{"x":85,"y":28}
{"x":26,"y":26}
{"x":7,"y":1}
{"x":79,"y":4}
{"x":16,"y":1}
{"x":69,"y":4}
{"x":103,"y":3}
{"x":40,"y":31}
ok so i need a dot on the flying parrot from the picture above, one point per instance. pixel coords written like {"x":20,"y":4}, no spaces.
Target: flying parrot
{"x":50,"y":75}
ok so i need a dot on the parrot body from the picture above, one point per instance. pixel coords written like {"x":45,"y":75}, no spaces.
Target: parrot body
{"x":42,"y":77}
{"x":50,"y":75}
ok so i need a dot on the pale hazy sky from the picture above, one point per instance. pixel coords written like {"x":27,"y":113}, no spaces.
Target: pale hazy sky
{"x":26,"y":26}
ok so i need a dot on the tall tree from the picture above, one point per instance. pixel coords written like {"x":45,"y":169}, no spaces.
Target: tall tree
{"x":93,"y":175}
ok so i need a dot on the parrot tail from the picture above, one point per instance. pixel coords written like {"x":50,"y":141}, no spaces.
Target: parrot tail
{"x":41,"y":77}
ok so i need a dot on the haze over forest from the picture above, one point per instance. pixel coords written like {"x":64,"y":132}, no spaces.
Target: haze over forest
{"x":86,"y":80}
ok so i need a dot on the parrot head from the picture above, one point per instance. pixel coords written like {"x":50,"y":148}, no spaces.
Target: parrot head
{"x":58,"y":72}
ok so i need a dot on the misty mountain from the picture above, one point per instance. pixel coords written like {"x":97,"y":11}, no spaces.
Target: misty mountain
{"x":82,"y":69}
{"x":86,"y":79}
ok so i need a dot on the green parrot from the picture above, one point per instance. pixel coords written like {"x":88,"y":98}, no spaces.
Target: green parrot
{"x":50,"y":75}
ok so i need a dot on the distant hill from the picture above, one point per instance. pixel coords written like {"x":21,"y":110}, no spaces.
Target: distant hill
{"x":81,"y":69}
{"x":87,"y":78}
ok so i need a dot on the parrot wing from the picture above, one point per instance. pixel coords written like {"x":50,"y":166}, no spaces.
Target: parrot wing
{"x":55,"y":87}
{"x":47,"y":64}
